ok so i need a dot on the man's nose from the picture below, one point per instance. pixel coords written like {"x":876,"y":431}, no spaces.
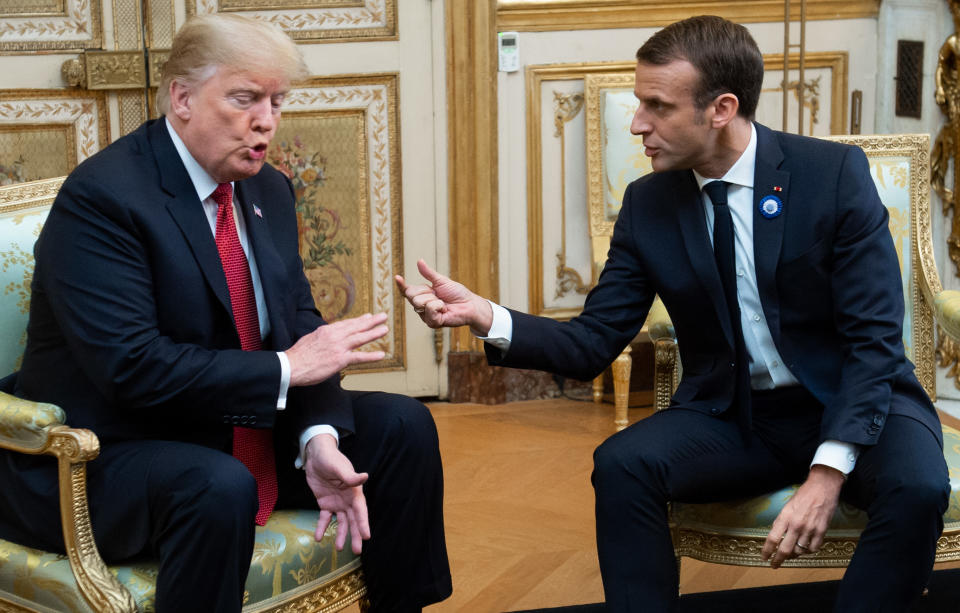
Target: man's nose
{"x":264,"y":119}
{"x":639,"y":126}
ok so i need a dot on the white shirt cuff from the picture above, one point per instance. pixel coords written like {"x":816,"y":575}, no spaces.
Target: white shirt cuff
{"x":284,"y":380}
{"x":501,"y":330}
{"x":308,"y":434}
{"x":837,"y":454}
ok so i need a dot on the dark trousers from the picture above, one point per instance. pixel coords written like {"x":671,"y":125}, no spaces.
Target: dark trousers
{"x":193,"y":508}
{"x":686,"y":456}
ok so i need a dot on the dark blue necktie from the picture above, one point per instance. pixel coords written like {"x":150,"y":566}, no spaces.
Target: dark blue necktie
{"x":723,"y":252}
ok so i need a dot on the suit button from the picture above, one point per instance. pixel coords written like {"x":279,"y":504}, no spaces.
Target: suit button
{"x":733,"y":365}
{"x":714,"y":411}
{"x":878,"y":419}
{"x":226,"y":419}
{"x":253,"y":419}
{"x":244,"y":420}
{"x":236,"y":419}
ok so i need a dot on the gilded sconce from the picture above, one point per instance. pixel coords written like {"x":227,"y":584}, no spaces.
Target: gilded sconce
{"x":947,"y":148}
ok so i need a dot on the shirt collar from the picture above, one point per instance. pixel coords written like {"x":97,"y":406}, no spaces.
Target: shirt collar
{"x":202,"y":182}
{"x":741,"y":173}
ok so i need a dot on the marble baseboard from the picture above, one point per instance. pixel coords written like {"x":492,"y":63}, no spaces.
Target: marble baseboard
{"x":471,"y":379}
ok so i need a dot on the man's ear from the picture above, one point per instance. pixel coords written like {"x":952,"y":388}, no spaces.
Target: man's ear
{"x":725,"y":107}
{"x":180,"y":100}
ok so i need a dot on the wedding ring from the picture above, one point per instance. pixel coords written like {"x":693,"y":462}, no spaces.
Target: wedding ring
{"x":803,"y":547}
{"x":418,"y":311}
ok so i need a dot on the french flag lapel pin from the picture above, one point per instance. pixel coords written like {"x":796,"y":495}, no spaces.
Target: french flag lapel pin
{"x":257,"y":211}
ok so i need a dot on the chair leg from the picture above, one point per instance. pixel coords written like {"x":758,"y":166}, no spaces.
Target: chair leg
{"x":598,"y":389}
{"x":621,"y":387}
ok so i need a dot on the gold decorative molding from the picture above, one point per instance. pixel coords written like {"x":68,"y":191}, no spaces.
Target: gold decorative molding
{"x":548,"y":15}
{"x":535,"y":77}
{"x":315,"y":22}
{"x":77,"y":27}
{"x":375,"y":97}
{"x":565,"y":108}
{"x":837,"y":62}
{"x":333,"y":594}
{"x":472,"y":153}
{"x":32,"y":8}
{"x":115,"y":70}
{"x":84,"y":112}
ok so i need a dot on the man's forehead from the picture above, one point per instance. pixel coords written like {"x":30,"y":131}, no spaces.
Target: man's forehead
{"x":245,"y":78}
{"x":675,"y":77}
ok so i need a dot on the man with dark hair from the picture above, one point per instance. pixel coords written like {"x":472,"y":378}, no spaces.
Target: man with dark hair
{"x":170,"y":314}
{"x":773,"y":257}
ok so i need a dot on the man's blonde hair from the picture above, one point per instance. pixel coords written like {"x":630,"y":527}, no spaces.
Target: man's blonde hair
{"x":206,"y":42}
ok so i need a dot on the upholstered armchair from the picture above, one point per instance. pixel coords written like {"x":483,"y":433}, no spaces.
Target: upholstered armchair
{"x":289,"y":572}
{"x":734,"y":532}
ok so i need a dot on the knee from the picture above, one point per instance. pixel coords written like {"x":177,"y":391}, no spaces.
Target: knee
{"x":614,"y":461}
{"x":220,"y":492}
{"x":407,"y":423}
{"x":917,"y":497}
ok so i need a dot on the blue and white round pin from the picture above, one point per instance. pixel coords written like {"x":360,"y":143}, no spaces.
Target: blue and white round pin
{"x":771,"y":206}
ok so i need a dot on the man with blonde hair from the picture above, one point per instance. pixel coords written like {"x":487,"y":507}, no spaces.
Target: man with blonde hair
{"x":170,"y":314}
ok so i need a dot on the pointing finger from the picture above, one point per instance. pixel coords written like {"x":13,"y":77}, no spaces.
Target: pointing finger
{"x":430,"y":274}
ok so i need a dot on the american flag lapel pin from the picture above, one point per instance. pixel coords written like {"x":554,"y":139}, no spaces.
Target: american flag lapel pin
{"x":777,"y":188}
{"x":257,"y":211}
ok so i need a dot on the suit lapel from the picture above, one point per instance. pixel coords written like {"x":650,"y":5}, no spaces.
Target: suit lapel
{"x":696,"y":241}
{"x":187,"y":211}
{"x":768,"y":232}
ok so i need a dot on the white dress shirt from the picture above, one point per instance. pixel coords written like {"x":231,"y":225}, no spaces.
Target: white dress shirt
{"x":205,"y":185}
{"x":767,"y":370}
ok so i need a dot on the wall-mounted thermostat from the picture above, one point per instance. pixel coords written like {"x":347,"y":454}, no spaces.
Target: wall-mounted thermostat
{"x":509,"y":51}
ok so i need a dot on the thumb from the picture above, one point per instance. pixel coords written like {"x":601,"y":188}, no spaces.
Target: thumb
{"x":353,"y":479}
{"x":430,"y":274}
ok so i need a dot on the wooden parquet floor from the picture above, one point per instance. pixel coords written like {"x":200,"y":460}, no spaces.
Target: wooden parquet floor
{"x":519,"y":509}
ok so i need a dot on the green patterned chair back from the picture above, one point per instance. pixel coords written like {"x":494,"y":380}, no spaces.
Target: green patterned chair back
{"x":23,"y":209}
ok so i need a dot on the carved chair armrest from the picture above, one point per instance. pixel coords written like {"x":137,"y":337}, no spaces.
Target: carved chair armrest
{"x":946,"y":311}
{"x":38,"y":428}
{"x":659,"y":325}
{"x":666,"y":361}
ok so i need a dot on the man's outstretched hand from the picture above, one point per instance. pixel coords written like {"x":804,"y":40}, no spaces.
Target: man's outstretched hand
{"x":338,"y":489}
{"x":446,"y":303}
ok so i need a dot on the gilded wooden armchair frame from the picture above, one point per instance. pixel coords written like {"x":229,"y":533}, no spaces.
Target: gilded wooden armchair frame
{"x":38,"y":428}
{"x":696,"y":531}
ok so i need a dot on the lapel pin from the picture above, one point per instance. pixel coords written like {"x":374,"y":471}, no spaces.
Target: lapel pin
{"x":257,"y":211}
{"x":777,"y":188}
{"x":771,"y":206}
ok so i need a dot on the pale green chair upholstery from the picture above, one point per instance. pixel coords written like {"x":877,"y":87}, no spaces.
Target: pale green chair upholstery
{"x":734,"y":532}
{"x":289,"y":571}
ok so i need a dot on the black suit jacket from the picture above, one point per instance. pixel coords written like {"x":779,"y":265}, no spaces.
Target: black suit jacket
{"x":130,"y":327}
{"x":828,"y":278}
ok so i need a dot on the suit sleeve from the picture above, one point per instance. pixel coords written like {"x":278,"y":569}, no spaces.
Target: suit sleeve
{"x":612,"y":316}
{"x":868,"y":308}
{"x":95,"y":275}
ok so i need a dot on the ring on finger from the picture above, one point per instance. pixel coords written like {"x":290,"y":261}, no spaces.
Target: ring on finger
{"x":418,"y":310}
{"x":803,"y":547}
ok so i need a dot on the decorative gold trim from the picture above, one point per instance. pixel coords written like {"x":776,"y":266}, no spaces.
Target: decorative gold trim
{"x":127,"y":30}
{"x":29,"y":195}
{"x":472,"y":153}
{"x":367,"y":21}
{"x":548,"y":15}
{"x":535,"y":76}
{"x":837,"y":62}
{"x":376,"y":97}
{"x":8,"y":606}
{"x":708,"y":545}
{"x":84,"y":110}
{"x":324,"y":595}
{"x":156,"y":58}
{"x":565,"y":108}
{"x":115,"y":70}
{"x":78,"y":29}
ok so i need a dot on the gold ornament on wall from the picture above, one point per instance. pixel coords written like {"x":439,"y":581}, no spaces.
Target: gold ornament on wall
{"x":946,"y":149}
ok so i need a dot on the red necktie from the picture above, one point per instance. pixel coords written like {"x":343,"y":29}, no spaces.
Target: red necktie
{"x":252,"y":446}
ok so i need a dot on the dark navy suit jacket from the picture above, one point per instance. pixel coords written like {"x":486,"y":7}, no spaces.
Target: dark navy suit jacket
{"x":130,"y":327}
{"x":828,"y":278}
